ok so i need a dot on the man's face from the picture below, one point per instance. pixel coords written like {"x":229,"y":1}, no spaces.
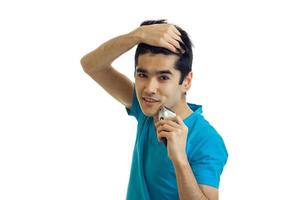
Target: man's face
{"x":157,"y":82}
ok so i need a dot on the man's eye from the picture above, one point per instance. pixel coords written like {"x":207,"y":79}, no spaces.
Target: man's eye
{"x":141,"y":75}
{"x":164,"y":78}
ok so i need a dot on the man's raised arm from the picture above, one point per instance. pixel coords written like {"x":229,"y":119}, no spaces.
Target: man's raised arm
{"x":97,"y":64}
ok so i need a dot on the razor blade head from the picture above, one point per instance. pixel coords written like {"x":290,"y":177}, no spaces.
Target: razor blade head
{"x":165,"y":113}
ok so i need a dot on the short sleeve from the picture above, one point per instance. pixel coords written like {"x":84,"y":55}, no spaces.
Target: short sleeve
{"x":208,"y":160}
{"x":135,"y":109}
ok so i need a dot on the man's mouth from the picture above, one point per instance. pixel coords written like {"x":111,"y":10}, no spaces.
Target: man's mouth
{"x":147,"y":101}
{"x":150,"y":100}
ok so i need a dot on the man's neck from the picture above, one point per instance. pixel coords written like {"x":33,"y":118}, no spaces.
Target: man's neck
{"x":183,"y":110}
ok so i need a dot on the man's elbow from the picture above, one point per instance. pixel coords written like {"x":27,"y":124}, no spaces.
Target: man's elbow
{"x":84,"y":64}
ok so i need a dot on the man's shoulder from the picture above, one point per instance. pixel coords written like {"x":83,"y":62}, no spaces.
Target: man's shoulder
{"x":199,"y":127}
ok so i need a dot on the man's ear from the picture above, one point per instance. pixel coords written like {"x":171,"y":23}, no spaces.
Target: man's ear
{"x":187,"y":82}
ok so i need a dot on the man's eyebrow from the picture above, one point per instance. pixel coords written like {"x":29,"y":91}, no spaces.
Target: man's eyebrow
{"x":139,"y":69}
{"x":164,"y":72}
{"x":142,"y":70}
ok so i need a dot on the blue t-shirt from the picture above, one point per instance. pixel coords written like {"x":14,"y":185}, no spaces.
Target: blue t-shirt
{"x":152,"y":173}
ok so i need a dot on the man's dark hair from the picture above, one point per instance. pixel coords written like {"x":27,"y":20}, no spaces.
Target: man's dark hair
{"x":183,"y":64}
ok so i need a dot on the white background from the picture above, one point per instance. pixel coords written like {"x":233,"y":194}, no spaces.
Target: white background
{"x":63,"y":137}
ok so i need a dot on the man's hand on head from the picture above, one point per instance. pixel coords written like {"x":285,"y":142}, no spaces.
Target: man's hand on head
{"x":160,"y":35}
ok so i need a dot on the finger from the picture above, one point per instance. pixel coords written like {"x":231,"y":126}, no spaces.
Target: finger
{"x":170,"y":46}
{"x":176,"y":37}
{"x":166,"y":127}
{"x":163,"y":134}
{"x":171,"y":122}
{"x":176,"y":30}
{"x":174,"y":42}
{"x":178,"y":120}
{"x":159,"y":122}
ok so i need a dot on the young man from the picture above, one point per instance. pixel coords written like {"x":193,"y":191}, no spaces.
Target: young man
{"x":190,"y":165}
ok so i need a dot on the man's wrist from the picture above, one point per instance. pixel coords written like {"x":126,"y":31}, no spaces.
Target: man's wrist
{"x":183,"y":162}
{"x":136,"y":35}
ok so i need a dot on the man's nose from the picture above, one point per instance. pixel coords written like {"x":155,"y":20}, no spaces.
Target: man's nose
{"x":151,"y":86}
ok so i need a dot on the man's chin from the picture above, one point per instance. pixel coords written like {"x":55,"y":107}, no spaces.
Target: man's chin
{"x":150,"y":112}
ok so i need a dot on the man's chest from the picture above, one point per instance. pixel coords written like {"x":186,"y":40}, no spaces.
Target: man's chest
{"x":158,"y":168}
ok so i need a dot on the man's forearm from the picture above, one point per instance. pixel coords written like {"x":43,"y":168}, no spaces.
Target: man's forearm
{"x":102,"y":57}
{"x":188,"y":187}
